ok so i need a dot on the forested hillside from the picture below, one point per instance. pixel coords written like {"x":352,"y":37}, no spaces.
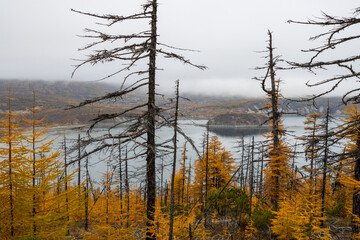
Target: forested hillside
{"x":55,"y":97}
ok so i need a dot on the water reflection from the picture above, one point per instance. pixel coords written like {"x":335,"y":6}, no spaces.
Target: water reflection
{"x":239,"y":131}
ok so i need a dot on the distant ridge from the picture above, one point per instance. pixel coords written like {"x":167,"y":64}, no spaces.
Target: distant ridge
{"x":54,"y":96}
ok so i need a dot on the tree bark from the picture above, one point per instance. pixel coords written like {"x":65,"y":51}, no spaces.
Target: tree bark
{"x":172,"y":203}
{"x":150,"y":159}
{"x":66,"y":190}
{"x":326,"y":153}
{"x":79,"y":166}
{"x":206,"y":169}
{"x":120,"y":179}
{"x":356,"y":195}
{"x":275,"y":121}
{"x":251,"y":180}
{"x":87,"y":194}
{"x":127,"y":188}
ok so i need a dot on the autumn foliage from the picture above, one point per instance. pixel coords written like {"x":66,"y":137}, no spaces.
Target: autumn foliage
{"x":40,"y":198}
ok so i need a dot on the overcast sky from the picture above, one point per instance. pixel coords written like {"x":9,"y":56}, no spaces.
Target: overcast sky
{"x":38,"y":39}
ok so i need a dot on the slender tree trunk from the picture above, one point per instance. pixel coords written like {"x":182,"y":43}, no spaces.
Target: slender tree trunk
{"x":11,"y":200}
{"x":326,"y":153}
{"x":107,"y":192}
{"x":66,"y":190}
{"x":120,"y":179}
{"x":150,"y":159}
{"x":161,"y":181}
{"x":183,"y":181}
{"x":87,"y":195}
{"x":356,"y":195}
{"x":172,"y":203}
{"x":247,"y":173}
{"x":58,"y":191}
{"x":257,"y":180}
{"x":188,"y":186}
{"x":79,"y":166}
{"x":190,"y":232}
{"x":166,"y":193}
{"x":33,"y":166}
{"x":127,"y":188}
{"x":293,"y":171}
{"x":251,"y":180}
{"x":312,"y":160}
{"x":203,"y":145}
{"x":242,"y":185}
{"x":206,"y":169}
{"x":275,"y":124}
{"x":261,"y":170}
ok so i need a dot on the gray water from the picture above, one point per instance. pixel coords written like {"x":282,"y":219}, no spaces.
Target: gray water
{"x":195,"y":129}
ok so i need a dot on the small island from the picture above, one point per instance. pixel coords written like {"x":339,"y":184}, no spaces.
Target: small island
{"x":238,"y":124}
{"x":238,"y":119}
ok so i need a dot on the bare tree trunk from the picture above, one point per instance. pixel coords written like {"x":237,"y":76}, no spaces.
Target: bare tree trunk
{"x":188,"y":185}
{"x":312,"y":161}
{"x":257,"y":178}
{"x":251,"y":177}
{"x":127,"y":188}
{"x":275,"y":122}
{"x":172,"y":203}
{"x":11,"y":200}
{"x":166,"y":193}
{"x":120,"y":179}
{"x":66,"y":190}
{"x":184,"y":172}
{"x":33,"y":166}
{"x":190,"y":232}
{"x":79,"y":166}
{"x":87,"y":195}
{"x":150,"y":159}
{"x":145,"y":47}
{"x":356,"y":195}
{"x":242,"y":185}
{"x":107,"y":192}
{"x":206,"y":169}
{"x":261,"y":170}
{"x":293,"y":171}
{"x":247,"y":173}
{"x":326,"y":153}
{"x":203,"y":145}
{"x":161,"y":181}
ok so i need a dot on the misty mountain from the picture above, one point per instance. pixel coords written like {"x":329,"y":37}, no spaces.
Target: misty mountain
{"x":54,"y":96}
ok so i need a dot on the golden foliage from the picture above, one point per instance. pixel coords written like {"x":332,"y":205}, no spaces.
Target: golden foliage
{"x":220,"y":168}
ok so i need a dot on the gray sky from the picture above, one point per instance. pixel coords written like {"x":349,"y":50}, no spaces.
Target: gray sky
{"x":38,"y":39}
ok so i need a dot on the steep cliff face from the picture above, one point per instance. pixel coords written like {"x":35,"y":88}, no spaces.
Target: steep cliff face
{"x":238,"y":119}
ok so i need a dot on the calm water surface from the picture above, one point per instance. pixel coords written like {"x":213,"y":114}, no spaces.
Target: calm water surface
{"x":195,"y":129}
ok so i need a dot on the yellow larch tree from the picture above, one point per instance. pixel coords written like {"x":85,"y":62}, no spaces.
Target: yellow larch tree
{"x":277,"y":172}
{"x":350,"y":166}
{"x":287,"y":221}
{"x":11,"y":182}
{"x":220,"y":168}
{"x":41,"y":169}
{"x":311,"y":197}
{"x":182,"y":180}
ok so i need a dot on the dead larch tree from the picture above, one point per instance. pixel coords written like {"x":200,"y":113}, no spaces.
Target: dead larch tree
{"x":138,"y":53}
{"x":340,"y":67}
